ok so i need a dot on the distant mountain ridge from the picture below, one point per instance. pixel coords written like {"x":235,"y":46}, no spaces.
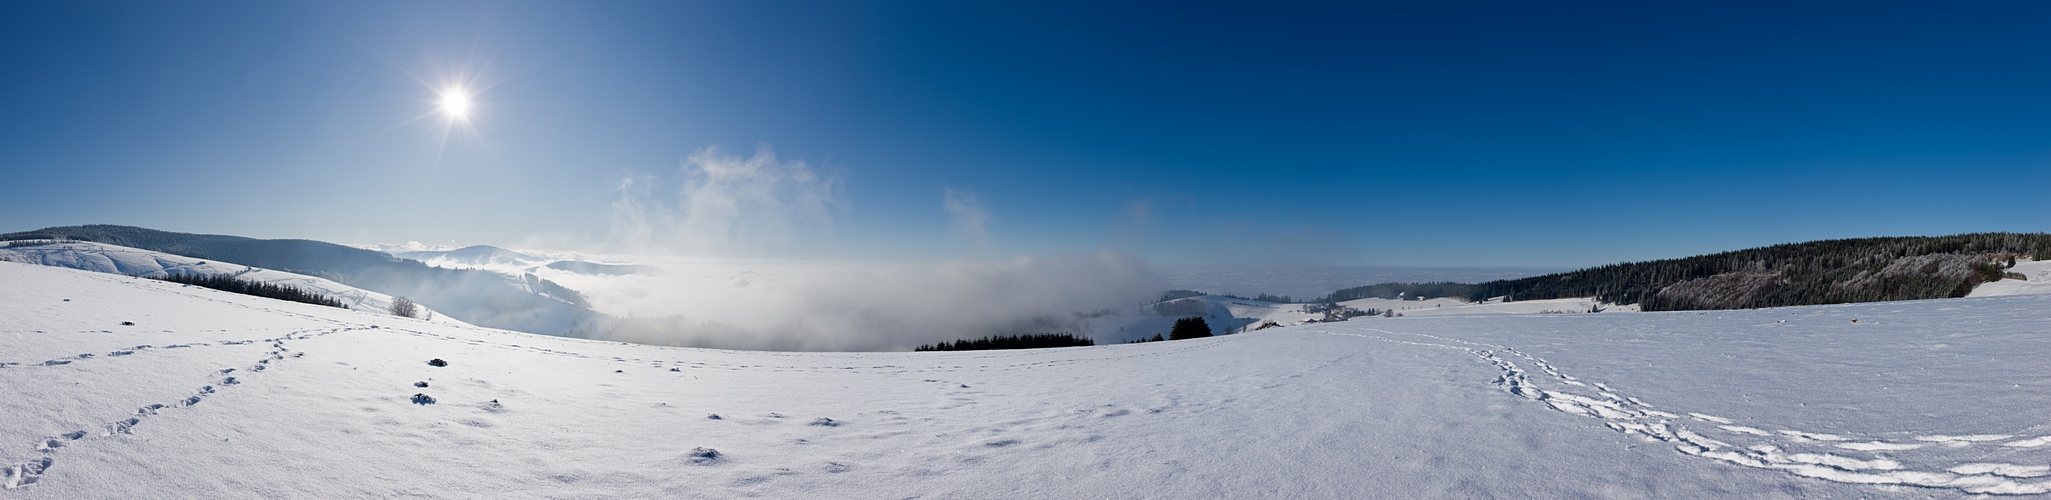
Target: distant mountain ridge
{"x":593,"y":268}
{"x":483,"y":298}
{"x":474,"y":255}
{"x":503,"y":259}
{"x":1816,"y":272}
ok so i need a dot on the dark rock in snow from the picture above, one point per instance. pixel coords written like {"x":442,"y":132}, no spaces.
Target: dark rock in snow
{"x":422,"y":399}
{"x":420,"y":384}
{"x":437,"y":362}
{"x":701,"y":455}
{"x":132,"y":323}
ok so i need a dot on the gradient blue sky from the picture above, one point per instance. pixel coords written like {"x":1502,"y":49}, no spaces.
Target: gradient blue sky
{"x":1519,"y":134}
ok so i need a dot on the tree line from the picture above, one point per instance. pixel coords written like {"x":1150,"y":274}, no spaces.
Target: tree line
{"x":1025,"y":341}
{"x":1816,"y":272}
{"x":1192,"y":327}
{"x":228,"y":283}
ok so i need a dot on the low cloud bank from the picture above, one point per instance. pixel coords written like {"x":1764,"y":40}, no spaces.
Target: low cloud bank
{"x":812,"y":306}
{"x":700,"y":221}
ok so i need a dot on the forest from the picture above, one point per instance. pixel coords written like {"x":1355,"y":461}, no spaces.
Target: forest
{"x":1026,"y":341}
{"x":256,"y":288}
{"x":1816,"y":272}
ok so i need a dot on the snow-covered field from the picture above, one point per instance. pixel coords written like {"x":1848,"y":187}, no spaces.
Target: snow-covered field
{"x":211,"y":394}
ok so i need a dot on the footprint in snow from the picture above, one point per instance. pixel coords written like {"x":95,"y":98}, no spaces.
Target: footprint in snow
{"x":1806,"y":454}
{"x":121,"y":426}
{"x":25,"y":473}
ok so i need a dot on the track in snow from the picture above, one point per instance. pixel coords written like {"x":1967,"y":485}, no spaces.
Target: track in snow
{"x":28,"y":472}
{"x":1829,"y":457}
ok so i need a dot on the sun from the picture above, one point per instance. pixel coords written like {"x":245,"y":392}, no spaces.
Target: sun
{"x":457,"y":96}
{"x":456,"y":103}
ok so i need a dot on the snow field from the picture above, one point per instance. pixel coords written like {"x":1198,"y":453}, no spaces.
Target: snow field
{"x":1917,"y":398}
{"x":1757,"y":447}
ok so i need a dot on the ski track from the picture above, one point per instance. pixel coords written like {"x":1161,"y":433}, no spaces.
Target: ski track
{"x":1807,"y":454}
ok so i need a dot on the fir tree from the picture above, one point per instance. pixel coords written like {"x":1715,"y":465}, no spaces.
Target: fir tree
{"x":1192,"y":327}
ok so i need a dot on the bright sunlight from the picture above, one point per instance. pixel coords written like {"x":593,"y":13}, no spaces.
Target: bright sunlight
{"x":456,"y":103}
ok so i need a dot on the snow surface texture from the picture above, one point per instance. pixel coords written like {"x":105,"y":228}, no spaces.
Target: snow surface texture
{"x":211,"y":394}
{"x":103,"y":258}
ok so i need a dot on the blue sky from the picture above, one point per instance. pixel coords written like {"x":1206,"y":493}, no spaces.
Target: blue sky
{"x":1510,"y":134}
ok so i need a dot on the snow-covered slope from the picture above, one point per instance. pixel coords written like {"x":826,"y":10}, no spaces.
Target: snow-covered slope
{"x":1229,"y":314}
{"x":2038,"y":280}
{"x":104,"y":258}
{"x":211,"y":394}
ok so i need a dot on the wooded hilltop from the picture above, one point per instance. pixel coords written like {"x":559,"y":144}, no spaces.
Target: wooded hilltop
{"x":1792,"y":274}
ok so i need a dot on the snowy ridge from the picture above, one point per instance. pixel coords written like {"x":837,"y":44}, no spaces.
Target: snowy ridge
{"x":1805,"y":454}
{"x":113,"y":259}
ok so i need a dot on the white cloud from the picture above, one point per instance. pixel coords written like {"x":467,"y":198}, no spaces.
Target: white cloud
{"x":726,"y":205}
{"x":967,"y":215}
{"x":815,"y":306}
{"x":719,"y":225}
{"x":1140,"y":212}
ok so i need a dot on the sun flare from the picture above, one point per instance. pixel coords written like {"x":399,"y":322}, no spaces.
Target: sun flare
{"x":456,"y":103}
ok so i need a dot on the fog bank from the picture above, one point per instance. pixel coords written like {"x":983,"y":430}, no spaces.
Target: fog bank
{"x":842,"y":306}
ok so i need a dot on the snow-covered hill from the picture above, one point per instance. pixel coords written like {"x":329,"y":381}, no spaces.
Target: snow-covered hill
{"x":103,"y":258}
{"x":498,"y":300}
{"x":2037,"y":280}
{"x":211,"y":394}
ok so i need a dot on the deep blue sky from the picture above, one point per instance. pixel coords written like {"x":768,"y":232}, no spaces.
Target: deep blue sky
{"x":1543,"y":134}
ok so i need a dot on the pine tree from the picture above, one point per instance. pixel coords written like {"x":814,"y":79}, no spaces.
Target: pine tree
{"x":1192,"y":327}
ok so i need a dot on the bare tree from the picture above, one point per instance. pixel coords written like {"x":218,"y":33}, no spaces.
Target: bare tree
{"x":402,"y":306}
